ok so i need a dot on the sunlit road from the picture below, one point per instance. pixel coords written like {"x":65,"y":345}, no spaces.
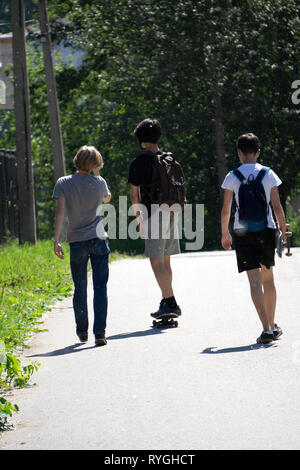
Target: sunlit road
{"x":203,"y":385}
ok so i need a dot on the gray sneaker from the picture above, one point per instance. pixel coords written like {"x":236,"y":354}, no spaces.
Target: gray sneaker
{"x":277,"y":331}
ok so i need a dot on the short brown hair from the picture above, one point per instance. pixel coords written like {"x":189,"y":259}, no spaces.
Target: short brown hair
{"x":87,"y":158}
{"x":248,"y":143}
{"x":148,"y":130}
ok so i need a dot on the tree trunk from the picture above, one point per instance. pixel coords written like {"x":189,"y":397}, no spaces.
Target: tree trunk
{"x":26,"y":198}
{"x":55,"y":128}
{"x":221,"y":162}
{"x":218,"y":116}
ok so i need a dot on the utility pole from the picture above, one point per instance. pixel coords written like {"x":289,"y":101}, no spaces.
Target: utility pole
{"x":55,"y":129}
{"x":26,"y":197}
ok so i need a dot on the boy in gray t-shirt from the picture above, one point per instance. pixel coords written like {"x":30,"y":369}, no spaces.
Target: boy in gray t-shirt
{"x":82,"y":194}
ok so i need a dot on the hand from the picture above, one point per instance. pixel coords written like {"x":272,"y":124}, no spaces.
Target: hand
{"x":142,"y":229}
{"x":107,"y":198}
{"x":58,"y":250}
{"x":226,"y":241}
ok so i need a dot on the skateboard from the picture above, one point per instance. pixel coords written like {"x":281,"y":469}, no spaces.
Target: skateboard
{"x":166,"y":321}
{"x":287,"y":244}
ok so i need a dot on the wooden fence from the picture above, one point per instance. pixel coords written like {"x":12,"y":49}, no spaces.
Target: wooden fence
{"x":9,"y":222}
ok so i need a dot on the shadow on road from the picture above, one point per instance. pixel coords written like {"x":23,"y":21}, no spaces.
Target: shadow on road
{"x":61,"y":352}
{"x":250,"y":347}
{"x":135,"y":334}
{"x":73,"y":348}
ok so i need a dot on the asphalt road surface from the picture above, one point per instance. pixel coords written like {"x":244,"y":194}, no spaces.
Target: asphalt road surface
{"x":203,"y":385}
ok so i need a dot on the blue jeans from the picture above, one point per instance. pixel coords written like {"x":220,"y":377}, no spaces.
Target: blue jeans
{"x":80,"y":252}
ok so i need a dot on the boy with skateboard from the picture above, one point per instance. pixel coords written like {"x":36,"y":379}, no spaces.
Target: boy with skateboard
{"x":82,"y":194}
{"x":141,"y":178}
{"x":254,"y":187}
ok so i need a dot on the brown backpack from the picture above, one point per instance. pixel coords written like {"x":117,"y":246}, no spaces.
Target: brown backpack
{"x":168,"y":184}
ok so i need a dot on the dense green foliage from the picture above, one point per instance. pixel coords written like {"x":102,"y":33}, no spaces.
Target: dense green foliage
{"x":194,"y":65}
{"x":5,"y":19}
{"x":12,"y":374}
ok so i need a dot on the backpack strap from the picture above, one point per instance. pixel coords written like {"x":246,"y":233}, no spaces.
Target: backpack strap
{"x":165,"y":155}
{"x":259,"y":177}
{"x":262,"y":174}
{"x":239,"y":175}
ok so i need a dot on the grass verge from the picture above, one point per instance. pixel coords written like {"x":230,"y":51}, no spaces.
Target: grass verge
{"x":32,"y":278}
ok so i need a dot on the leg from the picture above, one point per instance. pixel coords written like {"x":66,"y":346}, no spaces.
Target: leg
{"x":78,"y":261}
{"x":269,"y":293}
{"x":257,"y":294}
{"x":159,"y":251}
{"x":163,"y":275}
{"x":99,"y":262}
{"x":167,"y":263}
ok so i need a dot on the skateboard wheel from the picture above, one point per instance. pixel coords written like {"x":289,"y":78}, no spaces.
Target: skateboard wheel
{"x":176,"y":323}
{"x":154,"y":323}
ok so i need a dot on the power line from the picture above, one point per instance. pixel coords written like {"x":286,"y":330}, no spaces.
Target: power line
{"x":26,"y":22}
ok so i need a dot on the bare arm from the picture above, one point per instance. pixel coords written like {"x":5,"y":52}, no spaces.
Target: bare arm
{"x":135,"y":200}
{"x":225,"y":218}
{"x":106,"y":199}
{"x":135,"y":197}
{"x":59,"y":218}
{"x":278,"y":210}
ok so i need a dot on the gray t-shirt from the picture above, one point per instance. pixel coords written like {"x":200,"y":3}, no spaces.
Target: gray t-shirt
{"x":84,"y":196}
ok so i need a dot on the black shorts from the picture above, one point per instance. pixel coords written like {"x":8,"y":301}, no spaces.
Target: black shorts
{"x":254,"y":249}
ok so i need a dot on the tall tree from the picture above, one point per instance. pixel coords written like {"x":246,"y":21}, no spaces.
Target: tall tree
{"x":26,"y":197}
{"x":55,"y":127}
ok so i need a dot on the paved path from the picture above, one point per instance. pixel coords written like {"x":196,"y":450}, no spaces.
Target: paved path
{"x":203,"y":385}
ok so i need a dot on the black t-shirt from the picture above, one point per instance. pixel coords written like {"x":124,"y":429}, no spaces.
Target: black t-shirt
{"x":140,"y":174}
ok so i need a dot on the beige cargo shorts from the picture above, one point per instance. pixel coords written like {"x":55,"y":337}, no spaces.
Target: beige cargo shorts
{"x":162,"y":235}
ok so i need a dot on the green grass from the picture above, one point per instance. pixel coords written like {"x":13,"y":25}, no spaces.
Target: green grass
{"x":31,"y":279}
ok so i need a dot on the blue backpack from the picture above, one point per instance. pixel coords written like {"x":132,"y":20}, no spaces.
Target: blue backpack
{"x":253,"y":206}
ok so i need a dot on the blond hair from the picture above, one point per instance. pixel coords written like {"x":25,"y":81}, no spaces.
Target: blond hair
{"x":87,"y":158}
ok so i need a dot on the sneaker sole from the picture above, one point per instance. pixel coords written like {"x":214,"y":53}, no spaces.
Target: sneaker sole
{"x":264,"y":341}
{"x":83,"y":340}
{"x":278,"y":336}
{"x":170,"y":315}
